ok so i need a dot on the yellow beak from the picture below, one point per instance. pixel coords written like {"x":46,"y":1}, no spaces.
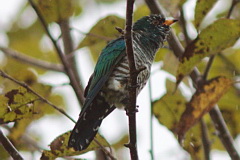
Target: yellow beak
{"x":169,"y":22}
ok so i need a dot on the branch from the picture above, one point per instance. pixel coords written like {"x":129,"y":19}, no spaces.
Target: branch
{"x":234,"y":3}
{"x":223,"y":132}
{"x":131,"y":106}
{"x":4,"y":75}
{"x":151,"y":120}
{"x":209,"y":64}
{"x":32,"y":61}
{"x":205,"y":140}
{"x":9,"y":147}
{"x":67,"y":66}
{"x":218,"y":120}
{"x":69,"y":50}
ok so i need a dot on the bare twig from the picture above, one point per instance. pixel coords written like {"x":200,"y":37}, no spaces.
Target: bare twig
{"x":151,"y":119}
{"x":223,"y":133}
{"x":205,"y":140}
{"x":234,"y":3}
{"x":67,"y":66}
{"x":9,"y":147}
{"x":131,"y":108}
{"x":27,"y":140}
{"x":32,"y":61}
{"x":4,"y":75}
{"x":69,"y":49}
{"x":215,"y":113}
{"x":209,"y":64}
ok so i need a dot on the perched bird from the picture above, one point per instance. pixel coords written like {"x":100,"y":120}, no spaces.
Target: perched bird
{"x":108,"y":86}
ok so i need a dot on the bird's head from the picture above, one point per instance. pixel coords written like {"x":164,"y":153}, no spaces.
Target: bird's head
{"x":154,"y":24}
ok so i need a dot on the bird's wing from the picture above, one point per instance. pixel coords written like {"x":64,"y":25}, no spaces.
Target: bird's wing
{"x":108,"y":59}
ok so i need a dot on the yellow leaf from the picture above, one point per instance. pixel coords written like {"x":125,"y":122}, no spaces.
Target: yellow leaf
{"x":204,"y":99}
{"x":120,"y":143}
{"x":168,"y":110}
{"x":59,"y":147}
{"x":220,"y":35}
{"x":16,"y":104}
{"x":201,"y":10}
{"x":55,"y":10}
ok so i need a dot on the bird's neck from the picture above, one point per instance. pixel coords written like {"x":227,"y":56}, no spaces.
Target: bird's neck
{"x":149,"y":43}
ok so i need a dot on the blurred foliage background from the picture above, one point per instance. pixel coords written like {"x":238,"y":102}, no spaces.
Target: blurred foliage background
{"x":205,"y":28}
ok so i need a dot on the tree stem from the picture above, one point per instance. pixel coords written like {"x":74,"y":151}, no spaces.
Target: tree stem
{"x":131,"y":108}
{"x":205,"y":140}
{"x":9,"y":147}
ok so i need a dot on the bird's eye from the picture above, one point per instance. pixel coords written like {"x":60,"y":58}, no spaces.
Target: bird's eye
{"x":155,"y":22}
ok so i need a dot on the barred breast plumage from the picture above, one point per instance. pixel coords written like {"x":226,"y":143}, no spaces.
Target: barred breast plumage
{"x":108,"y":85}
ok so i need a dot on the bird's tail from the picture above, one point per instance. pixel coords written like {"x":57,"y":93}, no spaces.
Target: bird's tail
{"x":88,"y":123}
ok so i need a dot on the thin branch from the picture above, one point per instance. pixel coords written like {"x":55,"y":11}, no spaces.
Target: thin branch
{"x":9,"y":147}
{"x":223,"y":133}
{"x":151,"y":119}
{"x":32,"y":61}
{"x":205,"y":140}
{"x":67,"y":66}
{"x":27,"y":140}
{"x":215,"y":113}
{"x":69,"y":49}
{"x":209,"y":64}
{"x":4,"y":75}
{"x":131,"y":107}
{"x":234,"y":3}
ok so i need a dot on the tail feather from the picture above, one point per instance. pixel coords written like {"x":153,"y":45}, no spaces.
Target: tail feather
{"x":88,"y":123}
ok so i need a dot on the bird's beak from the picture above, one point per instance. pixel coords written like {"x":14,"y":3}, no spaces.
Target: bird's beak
{"x":169,"y":22}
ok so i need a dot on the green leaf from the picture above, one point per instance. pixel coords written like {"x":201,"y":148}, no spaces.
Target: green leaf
{"x":168,"y":110}
{"x":201,"y":10}
{"x":170,"y":63}
{"x":59,"y":147}
{"x":231,"y":111}
{"x":16,"y":104}
{"x":161,"y":54}
{"x":203,"y":100}
{"x":220,"y":35}
{"x":102,"y":32}
{"x":56,"y":10}
{"x":27,"y":41}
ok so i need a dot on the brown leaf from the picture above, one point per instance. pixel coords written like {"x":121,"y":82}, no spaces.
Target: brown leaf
{"x":206,"y":96}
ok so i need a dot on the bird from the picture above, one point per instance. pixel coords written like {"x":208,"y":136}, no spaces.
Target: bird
{"x":107,"y":88}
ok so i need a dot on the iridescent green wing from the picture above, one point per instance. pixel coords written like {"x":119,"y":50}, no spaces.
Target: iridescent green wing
{"x":107,"y":61}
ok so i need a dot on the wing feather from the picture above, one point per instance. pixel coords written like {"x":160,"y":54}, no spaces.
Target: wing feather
{"x":108,"y":59}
